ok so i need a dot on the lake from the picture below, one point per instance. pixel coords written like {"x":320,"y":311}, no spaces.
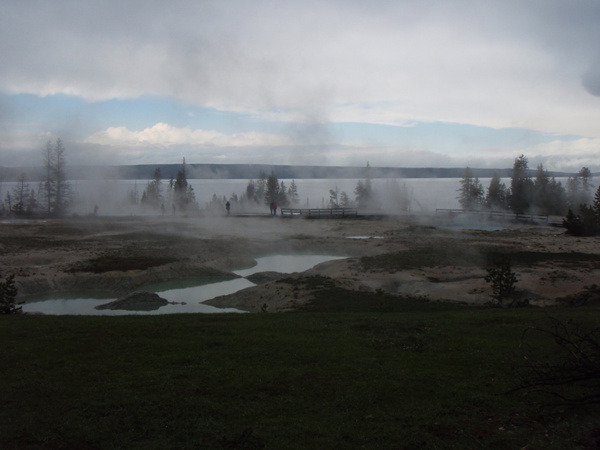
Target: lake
{"x":427,"y":194}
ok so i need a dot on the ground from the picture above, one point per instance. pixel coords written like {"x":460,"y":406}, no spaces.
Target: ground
{"x":355,"y":365}
{"x":410,"y":255}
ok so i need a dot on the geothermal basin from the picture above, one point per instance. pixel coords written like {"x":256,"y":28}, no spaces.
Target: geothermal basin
{"x":186,"y":299}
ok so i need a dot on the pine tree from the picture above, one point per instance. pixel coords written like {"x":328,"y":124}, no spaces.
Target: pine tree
{"x":282,"y":199}
{"x":496,"y":194}
{"x":293,"y":197}
{"x":251,"y":191}
{"x":32,"y":204}
{"x":557,"y":194}
{"x":541,"y":189}
{"x":596,"y":203}
{"x":363,"y":191}
{"x":360,"y":194}
{"x":344,"y":200}
{"x":271,"y":189}
{"x":183,"y":193}
{"x":8,"y":295}
{"x":470,"y":192}
{"x":48,"y":182}
{"x":57,"y":190}
{"x":152,"y":195}
{"x":20,"y":197}
{"x":579,"y":189}
{"x":334,"y":198}
{"x":261,"y":185}
{"x":521,"y":186}
{"x":585,"y":175}
{"x":62,"y":191}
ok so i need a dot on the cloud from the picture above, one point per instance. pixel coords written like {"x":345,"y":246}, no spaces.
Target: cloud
{"x":20,"y":139}
{"x":591,"y":79}
{"x":163,"y":134}
{"x":567,"y":155}
{"x":499,"y":64}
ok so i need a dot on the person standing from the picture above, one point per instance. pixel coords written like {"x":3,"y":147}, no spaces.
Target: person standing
{"x":228,"y":207}
{"x":274,"y":208}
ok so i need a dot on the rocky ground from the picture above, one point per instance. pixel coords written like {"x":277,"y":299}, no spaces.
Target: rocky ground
{"x":410,"y":255}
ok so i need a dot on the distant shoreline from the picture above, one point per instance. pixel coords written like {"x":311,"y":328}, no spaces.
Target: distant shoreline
{"x":253,"y":171}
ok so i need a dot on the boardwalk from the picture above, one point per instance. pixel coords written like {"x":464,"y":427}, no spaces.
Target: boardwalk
{"x":316,"y":213}
{"x":499,"y":215}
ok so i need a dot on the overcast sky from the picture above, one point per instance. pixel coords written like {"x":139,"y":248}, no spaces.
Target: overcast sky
{"x":395,"y":83}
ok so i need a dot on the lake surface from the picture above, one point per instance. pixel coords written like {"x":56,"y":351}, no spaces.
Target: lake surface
{"x":191,"y":295}
{"x":426,"y":194}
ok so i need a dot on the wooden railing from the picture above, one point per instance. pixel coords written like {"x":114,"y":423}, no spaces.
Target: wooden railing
{"x":495,"y":214}
{"x":319,"y":213}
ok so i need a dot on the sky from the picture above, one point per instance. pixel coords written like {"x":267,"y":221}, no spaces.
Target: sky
{"x":328,"y":82}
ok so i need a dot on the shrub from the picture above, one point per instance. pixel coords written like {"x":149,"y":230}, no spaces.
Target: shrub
{"x":586,"y":223}
{"x":571,"y":372}
{"x":503,"y":281}
{"x":8,"y":294}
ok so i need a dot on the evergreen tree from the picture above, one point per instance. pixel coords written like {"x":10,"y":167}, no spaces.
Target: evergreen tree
{"x":8,"y":295}
{"x":360,"y":194}
{"x":521,"y":186}
{"x":496,"y":194}
{"x":541,"y":191}
{"x":251,"y":191}
{"x":587,"y":222}
{"x":597,"y":200}
{"x":261,"y":186}
{"x":32,"y":204}
{"x":293,"y":197}
{"x":183,"y":193}
{"x":586,"y":175}
{"x":363,"y":191}
{"x":62,"y":192}
{"x":271,"y":189}
{"x":575,"y":194}
{"x":344,"y":200}
{"x":8,"y":201}
{"x":470,"y":192}
{"x":334,"y":201}
{"x":282,"y":199}
{"x":133,"y":196}
{"x":20,"y":197}
{"x":368,"y":186}
{"x":558,"y":196}
{"x":398,"y":197}
{"x":56,"y":188}
{"x":586,"y":187}
{"x":152,"y":195}
{"x":48,"y":182}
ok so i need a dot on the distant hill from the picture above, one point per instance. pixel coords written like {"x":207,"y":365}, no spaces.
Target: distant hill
{"x":253,"y":171}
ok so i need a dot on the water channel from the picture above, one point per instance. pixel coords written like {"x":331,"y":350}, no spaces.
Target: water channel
{"x":192,"y":296}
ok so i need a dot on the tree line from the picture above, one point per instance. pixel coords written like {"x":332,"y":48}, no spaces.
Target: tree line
{"x":260,"y":192}
{"x":177,"y":196}
{"x":52,"y":196}
{"x":540,"y":194}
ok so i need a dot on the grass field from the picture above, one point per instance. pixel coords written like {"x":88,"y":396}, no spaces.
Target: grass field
{"x":353,"y":370}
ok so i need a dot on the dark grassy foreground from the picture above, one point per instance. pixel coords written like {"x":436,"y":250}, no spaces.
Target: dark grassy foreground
{"x":384,"y":373}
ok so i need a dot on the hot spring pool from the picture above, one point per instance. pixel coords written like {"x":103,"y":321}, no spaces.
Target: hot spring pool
{"x":192,"y":296}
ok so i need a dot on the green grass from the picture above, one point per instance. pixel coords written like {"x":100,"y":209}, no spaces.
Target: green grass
{"x":352,"y":370}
